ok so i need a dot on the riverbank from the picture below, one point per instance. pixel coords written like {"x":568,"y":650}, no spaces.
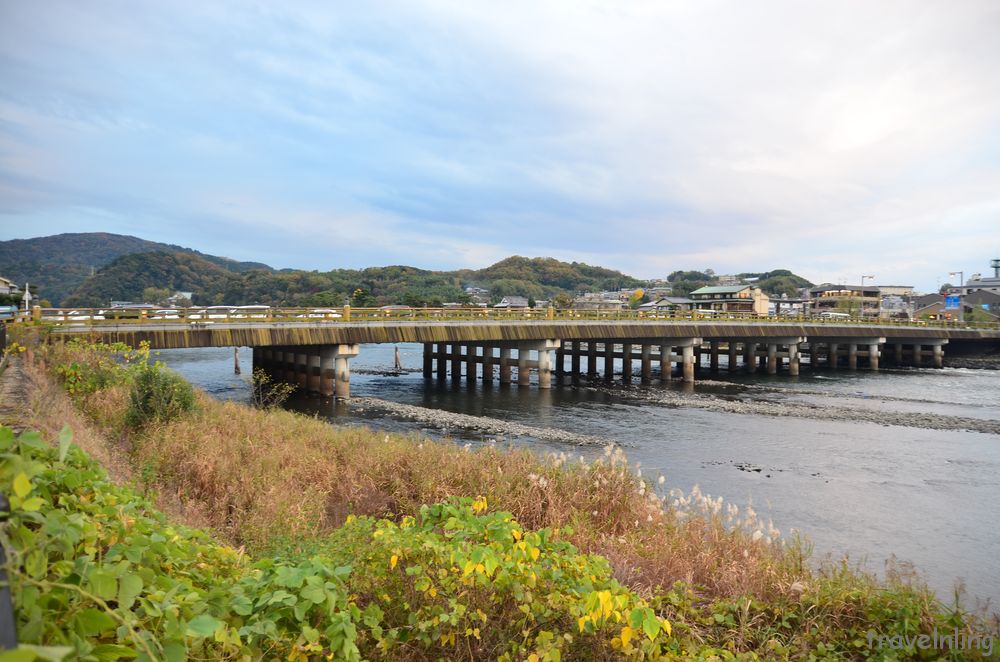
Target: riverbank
{"x":277,"y":482}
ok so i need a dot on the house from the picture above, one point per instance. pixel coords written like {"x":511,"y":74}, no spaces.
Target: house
{"x":8,"y":286}
{"x":593,"y":303}
{"x":989,"y":284}
{"x":178,"y":298}
{"x":844,"y":298}
{"x":512,"y":302}
{"x":731,"y":299}
{"x":668,"y":305}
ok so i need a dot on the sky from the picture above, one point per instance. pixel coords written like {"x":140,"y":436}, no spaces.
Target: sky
{"x":836,"y":139}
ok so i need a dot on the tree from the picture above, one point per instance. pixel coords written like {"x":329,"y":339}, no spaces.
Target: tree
{"x":155,"y":295}
{"x":562,"y":300}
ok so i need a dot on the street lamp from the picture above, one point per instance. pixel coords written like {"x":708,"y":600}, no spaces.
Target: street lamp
{"x":961,"y":284}
{"x":861,"y":309}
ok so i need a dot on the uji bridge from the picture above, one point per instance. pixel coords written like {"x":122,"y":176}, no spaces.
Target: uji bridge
{"x":314,"y":348}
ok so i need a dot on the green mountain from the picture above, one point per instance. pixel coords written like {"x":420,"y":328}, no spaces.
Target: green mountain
{"x":59,"y":264}
{"x":778,"y":282}
{"x":127,"y":277}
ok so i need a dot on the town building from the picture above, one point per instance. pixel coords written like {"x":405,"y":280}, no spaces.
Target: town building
{"x":668,"y":305}
{"x":512,"y":302}
{"x":8,"y":286}
{"x":980,"y":284}
{"x":731,"y":299}
{"x":845,"y":298}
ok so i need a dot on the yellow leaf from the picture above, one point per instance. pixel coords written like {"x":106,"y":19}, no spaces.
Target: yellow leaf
{"x":666,"y":627}
{"x":533,"y":658}
{"x":517,"y":534}
{"x":534,"y":553}
{"x":582,"y":622}
{"x":22,"y":486}
{"x":350,"y":518}
{"x":393,"y":561}
{"x":626,"y":635}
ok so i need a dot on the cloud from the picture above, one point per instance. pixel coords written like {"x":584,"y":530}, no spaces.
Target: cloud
{"x":647,"y":136}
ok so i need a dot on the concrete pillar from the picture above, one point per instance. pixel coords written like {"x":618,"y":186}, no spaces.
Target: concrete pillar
{"x":917,"y":354}
{"x":327,"y":369}
{"x":697,"y":358}
{"x":560,"y":366}
{"x":688,"y":363}
{"x":750,"y":356}
{"x":574,"y":360}
{"x":591,"y":360}
{"x":487,"y":364}
{"x":852,"y":356}
{"x":873,"y":356}
{"x":504,"y":365}
{"x":288,"y":361}
{"x":898,"y":347}
{"x":523,"y":375}
{"x":545,"y":368}
{"x":428,"y":359}
{"x":626,"y":363}
{"x":609,"y":361}
{"x":772,"y":359}
{"x":732,"y":356}
{"x":713,"y":355}
{"x":442,"y":357}
{"x":793,"y":360}
{"x":666,"y":363}
{"x":314,"y":370}
{"x":471,"y":352}
{"x":833,"y":355}
{"x":938,"y":356}
{"x":302,"y":368}
{"x":456,"y":363}
{"x":342,"y":370}
{"x":647,"y":363}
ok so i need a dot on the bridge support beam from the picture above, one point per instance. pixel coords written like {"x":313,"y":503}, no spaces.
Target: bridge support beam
{"x":342,"y":354}
{"x":873,"y":356}
{"x":591,"y":360}
{"x":750,"y":356}
{"x":687,"y":369}
{"x":833,"y":355}
{"x":428,"y":360}
{"x":626,"y":363}
{"x":772,"y":358}
{"x":574,"y":361}
{"x":938,"y":355}
{"x":504,"y":365}
{"x":647,"y":363}
{"x":609,"y":360}
{"x":666,"y":363}
{"x":713,"y":355}
{"x":732,"y":356}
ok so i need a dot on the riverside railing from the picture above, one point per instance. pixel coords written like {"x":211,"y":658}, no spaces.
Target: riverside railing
{"x":204,"y":316}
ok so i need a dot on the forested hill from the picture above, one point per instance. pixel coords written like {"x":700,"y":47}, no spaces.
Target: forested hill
{"x":57,"y":265}
{"x":129,"y":276}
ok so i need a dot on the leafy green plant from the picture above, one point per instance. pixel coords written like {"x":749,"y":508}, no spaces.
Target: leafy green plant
{"x":268,"y":393}
{"x":158,"y":395}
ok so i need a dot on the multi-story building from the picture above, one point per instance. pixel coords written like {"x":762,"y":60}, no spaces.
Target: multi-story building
{"x":731,"y":299}
{"x":855,"y":299}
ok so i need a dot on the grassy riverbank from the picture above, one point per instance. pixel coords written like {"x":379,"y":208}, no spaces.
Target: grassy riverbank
{"x":697,"y":577}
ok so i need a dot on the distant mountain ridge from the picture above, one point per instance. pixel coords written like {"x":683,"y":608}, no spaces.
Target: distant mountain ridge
{"x":124,"y":267}
{"x":59,"y":264}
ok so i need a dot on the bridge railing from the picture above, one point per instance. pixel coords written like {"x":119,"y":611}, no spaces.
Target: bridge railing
{"x":206,"y":316}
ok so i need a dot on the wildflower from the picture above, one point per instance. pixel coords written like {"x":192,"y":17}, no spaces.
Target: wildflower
{"x":660,"y":480}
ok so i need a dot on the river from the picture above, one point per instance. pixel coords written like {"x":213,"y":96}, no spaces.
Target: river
{"x":816,"y":453}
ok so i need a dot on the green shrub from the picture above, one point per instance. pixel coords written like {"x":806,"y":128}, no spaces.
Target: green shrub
{"x":157,"y":395}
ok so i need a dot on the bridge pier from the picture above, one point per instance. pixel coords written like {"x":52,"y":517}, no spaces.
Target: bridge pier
{"x":750,"y":356}
{"x":647,"y":363}
{"x":833,"y":355}
{"x":428,"y":360}
{"x":342,"y":370}
{"x":666,"y":363}
{"x":687,"y":370}
{"x":314,"y":377}
{"x":713,"y":357}
{"x":442,"y":361}
{"x":574,"y":361}
{"x":456,"y":364}
{"x":302,"y":368}
{"x":732,"y":356}
{"x":609,"y":361}
{"x":772,"y":358}
{"x":327,"y":369}
{"x":873,"y":356}
{"x":471,"y":354}
{"x":591,"y":361}
{"x":898,"y":347}
{"x":523,"y":376}
{"x":626,"y":363}
{"x":793,"y":359}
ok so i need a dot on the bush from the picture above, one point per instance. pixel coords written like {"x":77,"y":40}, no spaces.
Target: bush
{"x":157,"y":395}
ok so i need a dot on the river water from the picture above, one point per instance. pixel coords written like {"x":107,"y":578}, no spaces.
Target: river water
{"x":850,"y":483}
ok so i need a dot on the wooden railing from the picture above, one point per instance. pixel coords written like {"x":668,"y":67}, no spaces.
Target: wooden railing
{"x":198,"y":316}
